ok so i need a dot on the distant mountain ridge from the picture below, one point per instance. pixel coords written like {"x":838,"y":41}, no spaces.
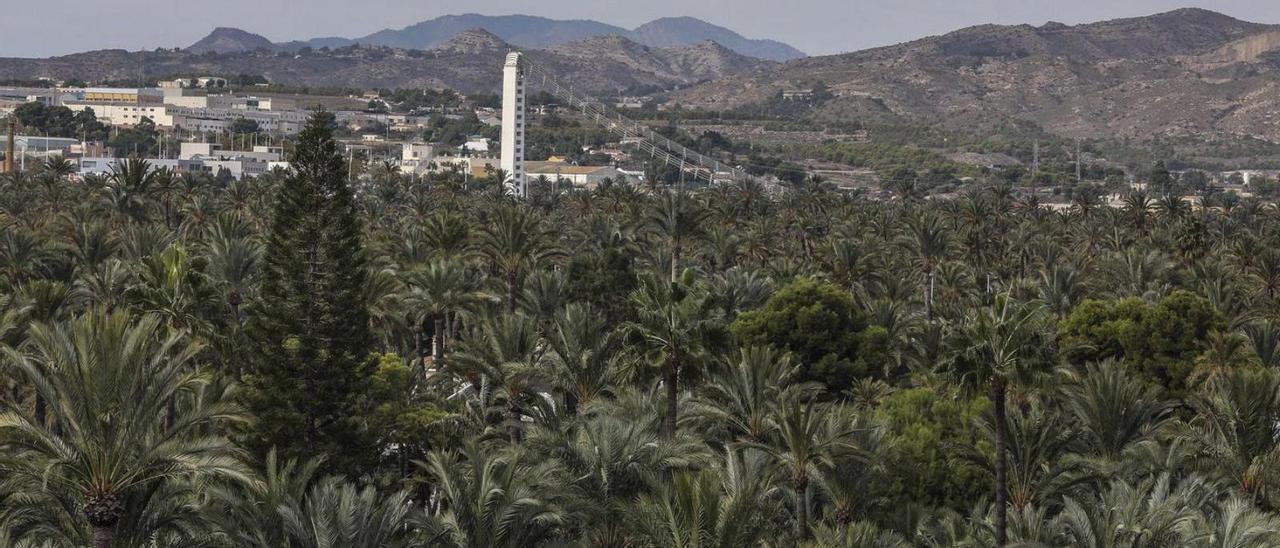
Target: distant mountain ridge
{"x":470,"y":61}
{"x":1188,"y":73}
{"x":686,"y":31}
{"x":523,"y":31}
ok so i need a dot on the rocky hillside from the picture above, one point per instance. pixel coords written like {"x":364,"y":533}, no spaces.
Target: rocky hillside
{"x":230,"y":40}
{"x":687,"y":31}
{"x":621,"y":59}
{"x":470,"y":61}
{"x":522,"y":31}
{"x":1188,"y":72}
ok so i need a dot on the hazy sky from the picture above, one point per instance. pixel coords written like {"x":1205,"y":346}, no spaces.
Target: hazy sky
{"x":52,"y":27}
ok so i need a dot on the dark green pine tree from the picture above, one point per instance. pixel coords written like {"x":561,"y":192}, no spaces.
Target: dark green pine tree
{"x":308,"y":390}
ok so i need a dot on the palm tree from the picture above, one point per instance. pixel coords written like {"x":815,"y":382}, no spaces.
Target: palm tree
{"x":1135,"y":273}
{"x":1265,"y":270}
{"x":1061,"y":289}
{"x":249,"y":513}
{"x":1264,"y":336}
{"x":928,"y":240}
{"x":857,"y":535}
{"x":1236,"y":525}
{"x":1042,"y":466}
{"x":107,"y":285}
{"x":584,"y":356}
{"x":1152,"y":513}
{"x":740,"y":395}
{"x":1233,"y":433}
{"x":738,"y":290}
{"x":515,"y":242}
{"x":1001,"y":343}
{"x":1113,"y":407}
{"x":493,"y":498}
{"x":22,"y":255}
{"x":128,"y":188}
{"x":809,"y":435}
{"x":1224,"y":352}
{"x":174,"y":286}
{"x":448,"y":235}
{"x":109,"y":378}
{"x":92,"y":243}
{"x":724,"y":508}
{"x":613,"y":458}
{"x":234,"y":256}
{"x":338,"y":514}
{"x":676,"y":218}
{"x":1138,"y":206}
{"x":434,"y":292}
{"x":503,"y":361}
{"x":673,"y":322}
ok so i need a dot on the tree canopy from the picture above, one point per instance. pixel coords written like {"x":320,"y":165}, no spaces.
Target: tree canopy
{"x":324,"y":356}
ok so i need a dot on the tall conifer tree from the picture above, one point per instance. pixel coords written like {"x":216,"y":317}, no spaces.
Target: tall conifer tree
{"x":311,"y":326}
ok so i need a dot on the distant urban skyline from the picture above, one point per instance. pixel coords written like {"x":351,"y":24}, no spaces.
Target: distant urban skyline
{"x":818,"y":27}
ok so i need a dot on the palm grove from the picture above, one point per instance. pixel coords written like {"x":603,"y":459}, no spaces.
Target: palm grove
{"x":307,"y":361}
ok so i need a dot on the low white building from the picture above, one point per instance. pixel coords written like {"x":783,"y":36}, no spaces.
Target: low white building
{"x":36,"y":145}
{"x":123,"y":96}
{"x":583,"y":176}
{"x":126,"y":115}
{"x":288,"y":122}
{"x":417,"y":152}
{"x":46,"y":96}
{"x":470,"y":166}
{"x":108,"y":165}
{"x":239,"y":168}
{"x":477,"y":144}
{"x":211,"y":82}
{"x":214,"y":151}
{"x":189,"y":151}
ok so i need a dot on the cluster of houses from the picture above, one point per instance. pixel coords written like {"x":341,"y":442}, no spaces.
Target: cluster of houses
{"x":475,"y":161}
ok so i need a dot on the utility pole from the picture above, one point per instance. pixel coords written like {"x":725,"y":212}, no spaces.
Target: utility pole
{"x":1035,"y":161}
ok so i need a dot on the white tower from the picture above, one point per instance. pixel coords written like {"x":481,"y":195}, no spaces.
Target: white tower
{"x":513,"y":125}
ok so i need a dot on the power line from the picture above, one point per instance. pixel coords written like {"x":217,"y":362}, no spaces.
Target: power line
{"x":648,"y":140}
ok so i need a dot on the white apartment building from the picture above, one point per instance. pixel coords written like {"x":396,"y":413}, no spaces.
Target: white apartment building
{"x":202,"y":151}
{"x":123,"y":96}
{"x":90,"y":165}
{"x":220,"y":119}
{"x":238,"y":168}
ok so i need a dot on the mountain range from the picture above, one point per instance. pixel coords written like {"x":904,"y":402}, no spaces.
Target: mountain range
{"x":1189,"y":73}
{"x":522,"y":31}
{"x":470,"y":61}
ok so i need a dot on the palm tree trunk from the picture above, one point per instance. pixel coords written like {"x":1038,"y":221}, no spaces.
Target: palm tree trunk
{"x":437,"y":342}
{"x":672,"y":381}
{"x":801,"y":484}
{"x":103,"y":536}
{"x":511,"y":291}
{"x":513,"y":416}
{"x":418,"y":362}
{"x":928,"y":296}
{"x":1002,"y":458}
{"x":675,"y":261}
